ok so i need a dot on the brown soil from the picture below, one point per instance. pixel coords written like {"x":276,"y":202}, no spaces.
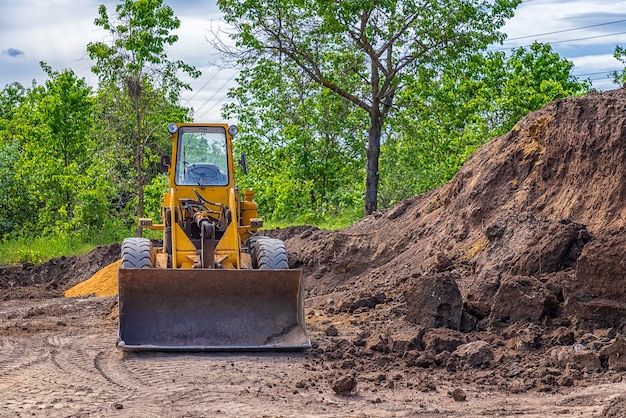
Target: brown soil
{"x":501,"y":293}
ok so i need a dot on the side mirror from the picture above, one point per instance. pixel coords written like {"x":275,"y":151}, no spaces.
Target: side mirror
{"x":166,"y":163}
{"x":243,"y":163}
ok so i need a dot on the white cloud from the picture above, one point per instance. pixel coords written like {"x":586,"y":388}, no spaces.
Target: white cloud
{"x":586,"y":35}
{"x":596,"y":62}
{"x":533,"y":18}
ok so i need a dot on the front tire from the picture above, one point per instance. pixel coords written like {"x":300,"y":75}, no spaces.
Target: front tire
{"x":137,"y":253}
{"x":269,"y":254}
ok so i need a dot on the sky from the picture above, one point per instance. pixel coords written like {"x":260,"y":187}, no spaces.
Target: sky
{"x":57,"y":32}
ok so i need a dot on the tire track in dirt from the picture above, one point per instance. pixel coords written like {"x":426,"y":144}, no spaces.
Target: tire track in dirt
{"x":15,"y":356}
{"x":162,"y":380}
{"x":57,"y":384}
{"x":49,"y":373}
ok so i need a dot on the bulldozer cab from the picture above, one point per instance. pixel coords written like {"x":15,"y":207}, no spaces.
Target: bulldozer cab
{"x":202,"y":157}
{"x":211,"y":286}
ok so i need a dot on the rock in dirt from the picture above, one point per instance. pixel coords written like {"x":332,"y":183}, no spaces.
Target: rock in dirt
{"x":406,"y":340}
{"x":616,"y":353}
{"x":562,"y":336}
{"x":586,"y":359}
{"x":344,"y":385}
{"x":378,"y":342}
{"x":434,"y":301}
{"x":439,"y":340}
{"x":525,"y":338}
{"x":522,"y":298}
{"x":458,"y":395}
{"x":364,"y":302}
{"x":523,"y":245}
{"x":598,"y":290}
{"x":443,"y":263}
{"x":331,"y":331}
{"x":424,"y":359}
{"x":476,"y":353}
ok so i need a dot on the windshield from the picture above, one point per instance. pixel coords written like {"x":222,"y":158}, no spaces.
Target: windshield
{"x":202,"y":156}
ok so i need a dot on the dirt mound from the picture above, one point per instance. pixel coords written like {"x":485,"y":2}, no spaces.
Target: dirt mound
{"x":525,"y":204}
{"x":531,"y":229}
{"x":52,"y":278}
{"x":103,"y":283}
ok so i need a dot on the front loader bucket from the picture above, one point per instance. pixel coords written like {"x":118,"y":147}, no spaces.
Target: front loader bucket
{"x":214,"y":310}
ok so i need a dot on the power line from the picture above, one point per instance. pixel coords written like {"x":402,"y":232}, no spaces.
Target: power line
{"x":216,"y":92}
{"x":588,"y":37}
{"x":596,"y":73}
{"x":601,"y":78}
{"x":205,"y":84}
{"x":219,"y":90}
{"x":209,"y":109}
{"x":565,"y":30}
{"x":563,"y":41}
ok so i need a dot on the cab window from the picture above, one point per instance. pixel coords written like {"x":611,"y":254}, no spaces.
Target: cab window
{"x":202,"y":156}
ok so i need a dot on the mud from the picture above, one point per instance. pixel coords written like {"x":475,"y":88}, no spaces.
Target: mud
{"x":499,"y":294}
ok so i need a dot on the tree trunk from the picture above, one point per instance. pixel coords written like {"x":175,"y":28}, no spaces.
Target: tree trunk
{"x":139,"y":186}
{"x":373,"y":152}
{"x":139,"y":165}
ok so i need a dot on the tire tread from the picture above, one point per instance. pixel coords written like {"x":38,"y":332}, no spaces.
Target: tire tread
{"x":137,"y":253}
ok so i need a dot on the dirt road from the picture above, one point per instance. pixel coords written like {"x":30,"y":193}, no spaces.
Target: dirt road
{"x":58,"y":358}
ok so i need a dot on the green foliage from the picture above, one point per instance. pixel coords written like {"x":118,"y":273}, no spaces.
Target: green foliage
{"x":305,"y":154}
{"x":11,"y":198}
{"x":333,"y":221}
{"x":447,"y":114}
{"x":73,"y":162}
{"x":139,"y":89}
{"x":140,"y":32}
{"x":46,"y":157}
{"x":362,"y":53}
{"x":619,"y":77}
{"x":154,"y":197}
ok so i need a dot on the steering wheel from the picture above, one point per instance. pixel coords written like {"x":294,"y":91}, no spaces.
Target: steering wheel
{"x":203,"y":174}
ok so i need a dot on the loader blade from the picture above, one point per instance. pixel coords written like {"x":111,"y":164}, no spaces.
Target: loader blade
{"x":210,"y":309}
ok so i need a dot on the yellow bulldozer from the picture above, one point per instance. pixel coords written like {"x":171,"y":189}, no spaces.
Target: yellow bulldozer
{"x":212,"y":285}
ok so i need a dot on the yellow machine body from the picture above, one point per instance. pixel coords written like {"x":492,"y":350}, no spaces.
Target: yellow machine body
{"x":210,"y":287}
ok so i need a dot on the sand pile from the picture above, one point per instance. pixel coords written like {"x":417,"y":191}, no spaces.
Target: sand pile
{"x":103,"y":283}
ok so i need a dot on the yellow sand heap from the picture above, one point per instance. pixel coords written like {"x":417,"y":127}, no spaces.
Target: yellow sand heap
{"x":103,"y":283}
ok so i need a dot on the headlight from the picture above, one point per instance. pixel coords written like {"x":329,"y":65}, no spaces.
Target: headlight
{"x":172,"y":128}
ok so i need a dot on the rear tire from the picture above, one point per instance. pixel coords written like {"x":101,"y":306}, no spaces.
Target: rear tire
{"x":269,"y":254}
{"x":137,"y":253}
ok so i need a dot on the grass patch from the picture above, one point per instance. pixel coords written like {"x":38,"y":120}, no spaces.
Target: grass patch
{"x":329,"y":221}
{"x":37,"y":250}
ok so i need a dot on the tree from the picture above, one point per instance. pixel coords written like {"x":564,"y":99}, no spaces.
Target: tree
{"x":135,"y":64}
{"x":305,"y":152}
{"x":469,"y":103}
{"x":380,"y":43}
{"x":50,"y":152}
{"x":619,"y":77}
